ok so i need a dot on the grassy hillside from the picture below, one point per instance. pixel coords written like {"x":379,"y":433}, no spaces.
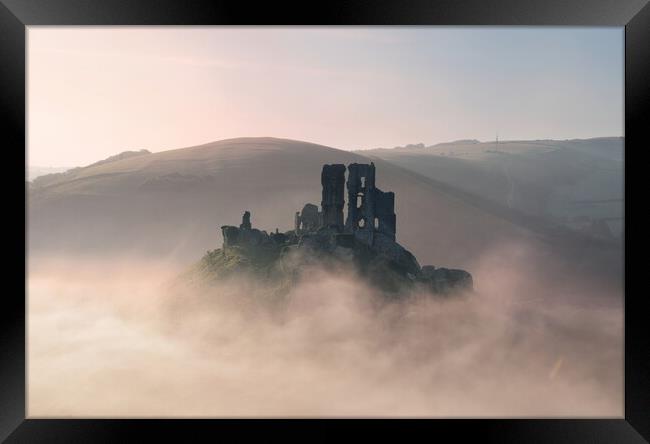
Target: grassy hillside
{"x":577,"y":184}
{"x":173,"y":203}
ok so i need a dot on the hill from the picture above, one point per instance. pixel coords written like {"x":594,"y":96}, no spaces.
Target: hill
{"x":172,"y":203}
{"x":575,"y":184}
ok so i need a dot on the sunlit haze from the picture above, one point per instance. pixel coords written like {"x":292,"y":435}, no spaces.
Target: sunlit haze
{"x":94,"y":92}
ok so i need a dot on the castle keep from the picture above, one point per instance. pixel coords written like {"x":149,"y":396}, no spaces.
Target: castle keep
{"x":370,"y":210}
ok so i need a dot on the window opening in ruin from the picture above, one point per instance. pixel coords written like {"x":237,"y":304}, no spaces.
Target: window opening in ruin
{"x":362,"y":223}
{"x":376,"y":222}
{"x":363,"y":182}
{"x":359,"y":200}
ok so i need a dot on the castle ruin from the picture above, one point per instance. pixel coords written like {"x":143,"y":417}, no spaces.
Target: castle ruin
{"x":370,"y":210}
{"x":367,"y":233}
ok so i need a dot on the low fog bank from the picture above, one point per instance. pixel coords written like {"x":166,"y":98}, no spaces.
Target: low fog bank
{"x":107,"y":339}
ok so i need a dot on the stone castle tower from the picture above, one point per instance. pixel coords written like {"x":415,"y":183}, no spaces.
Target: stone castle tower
{"x":370,"y":210}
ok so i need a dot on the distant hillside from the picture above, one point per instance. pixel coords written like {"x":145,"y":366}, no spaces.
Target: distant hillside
{"x":36,"y":171}
{"x":422,"y":146}
{"x":577,"y":184}
{"x":173,"y":203}
{"x":70,"y":173}
{"x":457,"y":142}
{"x":120,"y":156}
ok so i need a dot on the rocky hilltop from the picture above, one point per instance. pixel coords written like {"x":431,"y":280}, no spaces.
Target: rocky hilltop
{"x":365,"y":243}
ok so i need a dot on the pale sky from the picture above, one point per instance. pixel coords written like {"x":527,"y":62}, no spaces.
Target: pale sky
{"x":96,"y":91}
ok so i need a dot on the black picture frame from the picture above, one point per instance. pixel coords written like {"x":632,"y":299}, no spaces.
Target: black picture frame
{"x":16,"y":15}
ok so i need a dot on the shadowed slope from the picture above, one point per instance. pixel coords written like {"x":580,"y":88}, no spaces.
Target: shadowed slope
{"x":560,"y":183}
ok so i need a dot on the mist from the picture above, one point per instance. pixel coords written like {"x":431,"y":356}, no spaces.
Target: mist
{"x":109,"y":338}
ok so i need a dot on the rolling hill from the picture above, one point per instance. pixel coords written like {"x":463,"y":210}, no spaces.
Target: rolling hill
{"x":575,"y":184}
{"x":172,"y":204}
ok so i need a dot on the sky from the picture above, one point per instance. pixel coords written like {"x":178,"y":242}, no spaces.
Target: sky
{"x":96,"y":91}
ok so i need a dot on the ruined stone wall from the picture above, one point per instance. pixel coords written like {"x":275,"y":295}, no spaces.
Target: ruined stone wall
{"x":245,"y":235}
{"x":333,"y":199}
{"x":385,"y":218}
{"x":361,"y":183}
{"x":309,"y":219}
{"x":370,"y":210}
{"x":246,"y":221}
